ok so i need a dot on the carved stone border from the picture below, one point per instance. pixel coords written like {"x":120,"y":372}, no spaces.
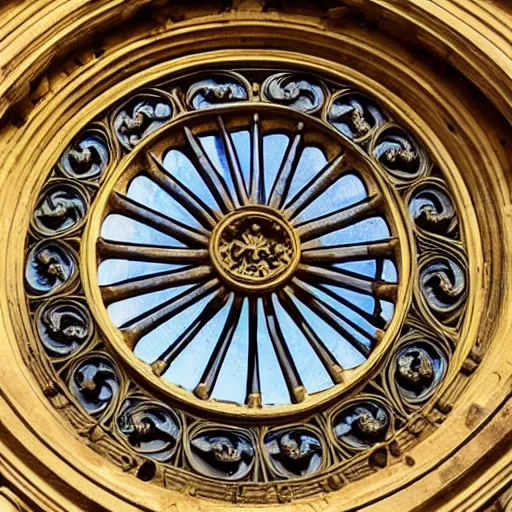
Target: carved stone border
{"x":479,"y":149}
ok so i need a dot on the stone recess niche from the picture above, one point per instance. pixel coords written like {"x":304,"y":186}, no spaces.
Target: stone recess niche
{"x":255,"y":255}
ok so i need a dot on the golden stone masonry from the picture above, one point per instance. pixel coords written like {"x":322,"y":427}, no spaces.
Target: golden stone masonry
{"x":290,"y":191}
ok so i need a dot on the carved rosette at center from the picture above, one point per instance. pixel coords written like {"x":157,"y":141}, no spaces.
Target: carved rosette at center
{"x":254,"y":249}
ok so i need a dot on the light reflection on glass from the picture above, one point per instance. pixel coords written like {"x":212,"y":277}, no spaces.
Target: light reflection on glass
{"x":345,"y":192}
{"x":122,"y":229}
{"x":125,"y":310}
{"x":149,"y":194}
{"x":311,"y":162}
{"x":234,"y":369}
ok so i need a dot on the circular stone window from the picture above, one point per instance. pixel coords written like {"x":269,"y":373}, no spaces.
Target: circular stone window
{"x":248,"y":276}
{"x":259,"y":243}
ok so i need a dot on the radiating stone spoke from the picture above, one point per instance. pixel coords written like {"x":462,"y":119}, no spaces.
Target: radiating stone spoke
{"x":355,"y":325}
{"x":253,"y":395}
{"x":291,"y":375}
{"x":207,"y":383}
{"x":234,"y":164}
{"x":135,"y":329}
{"x":216,"y":303}
{"x":209,"y":174}
{"x":339,"y":219}
{"x":257,"y":189}
{"x":287,"y":170}
{"x":376,"y":320}
{"x":319,"y":184}
{"x":324,"y":354}
{"x":138,"y":212}
{"x":329,"y":315}
{"x":350,"y":252}
{"x":183,"y":195}
{"x":154,"y":283}
{"x":155,"y":254}
{"x":344,"y":279}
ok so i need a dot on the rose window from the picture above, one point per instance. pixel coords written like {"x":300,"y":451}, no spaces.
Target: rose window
{"x":247,"y":277}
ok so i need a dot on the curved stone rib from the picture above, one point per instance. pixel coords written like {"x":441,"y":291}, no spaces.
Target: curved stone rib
{"x":287,"y":170}
{"x":211,"y":373}
{"x":318,"y":185}
{"x":184,"y":196}
{"x":340,"y":219}
{"x":154,"y":283}
{"x":253,"y":392}
{"x":110,"y":249}
{"x":138,"y":212}
{"x":257,"y":188}
{"x":291,"y":375}
{"x":344,"y":279}
{"x":216,"y":303}
{"x":307,"y":293}
{"x":350,"y":252}
{"x":210,"y":175}
{"x":376,"y":320}
{"x":135,"y":329}
{"x":326,"y":357}
{"x":234,"y":164}
{"x":329,"y":315}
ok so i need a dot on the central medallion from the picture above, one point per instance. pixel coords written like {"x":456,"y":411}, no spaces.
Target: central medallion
{"x":255,"y":249}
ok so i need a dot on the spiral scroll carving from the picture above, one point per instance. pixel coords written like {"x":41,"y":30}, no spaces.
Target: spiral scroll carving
{"x":140,"y":117}
{"x":64,"y":327}
{"x":88,"y":157}
{"x":443,"y":285}
{"x":433,"y":210}
{"x":50,"y":267}
{"x":150,"y":428}
{"x":215,"y":91}
{"x":294,"y":91}
{"x":59,"y":209}
{"x":222,"y":454}
{"x":94,"y":382}
{"x":355,"y":116}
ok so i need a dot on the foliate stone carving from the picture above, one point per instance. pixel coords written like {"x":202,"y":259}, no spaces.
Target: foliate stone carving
{"x":255,"y":247}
